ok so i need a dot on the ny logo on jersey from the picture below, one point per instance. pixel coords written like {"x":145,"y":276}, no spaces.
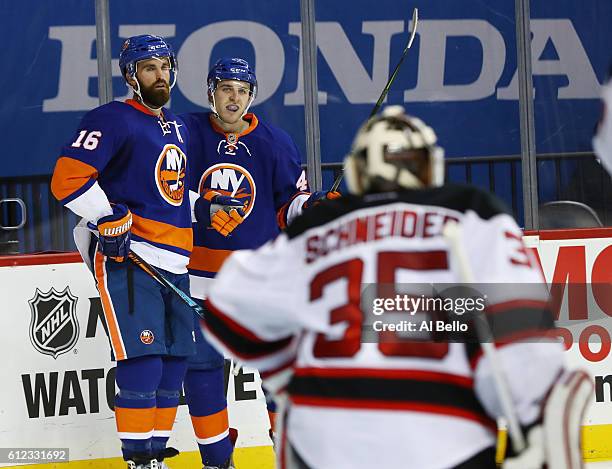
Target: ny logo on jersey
{"x":54,"y":328}
{"x":170,"y":174}
{"x":230,"y":179}
{"x":231,"y":145}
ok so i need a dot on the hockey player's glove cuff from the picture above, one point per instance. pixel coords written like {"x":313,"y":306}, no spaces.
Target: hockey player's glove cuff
{"x":319,"y":196}
{"x":115,"y":234}
{"x":221,"y":212}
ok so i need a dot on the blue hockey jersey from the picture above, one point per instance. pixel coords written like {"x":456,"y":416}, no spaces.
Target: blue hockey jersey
{"x":261,"y":166}
{"x":123,"y":153}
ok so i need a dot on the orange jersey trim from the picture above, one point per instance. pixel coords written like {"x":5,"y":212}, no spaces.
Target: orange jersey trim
{"x":209,"y":426}
{"x":135,"y":420}
{"x":69,"y":176}
{"x":107,"y":308}
{"x":164,"y":418}
{"x":250,"y":118}
{"x":136,"y":105}
{"x":163,"y":233}
{"x":206,"y":259}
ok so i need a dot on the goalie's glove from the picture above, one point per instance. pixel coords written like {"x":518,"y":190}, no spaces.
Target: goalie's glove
{"x":555,"y":441}
{"x":114,"y":233}
{"x":221,"y":212}
{"x":319,"y":196}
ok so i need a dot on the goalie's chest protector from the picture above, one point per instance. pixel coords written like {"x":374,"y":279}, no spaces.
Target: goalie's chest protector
{"x":243,"y":166}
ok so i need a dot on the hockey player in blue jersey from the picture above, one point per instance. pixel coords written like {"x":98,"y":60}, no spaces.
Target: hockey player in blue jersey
{"x":248,"y":183}
{"x":125,"y":172}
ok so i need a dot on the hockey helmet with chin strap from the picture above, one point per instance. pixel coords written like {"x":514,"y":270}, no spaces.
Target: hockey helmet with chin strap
{"x":394,"y":151}
{"x":231,"y":68}
{"x":144,"y":47}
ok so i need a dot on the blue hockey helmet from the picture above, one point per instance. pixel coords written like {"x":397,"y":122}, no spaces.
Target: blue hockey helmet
{"x":143,"y":47}
{"x":232,"y":68}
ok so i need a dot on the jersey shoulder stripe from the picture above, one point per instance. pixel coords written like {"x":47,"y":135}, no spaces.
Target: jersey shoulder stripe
{"x":418,"y":393}
{"x":164,"y":234}
{"x":237,"y":338}
{"x":71,"y":178}
{"x":208,"y":260}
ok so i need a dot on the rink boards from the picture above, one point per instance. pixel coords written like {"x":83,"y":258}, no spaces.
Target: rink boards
{"x":58,"y":380}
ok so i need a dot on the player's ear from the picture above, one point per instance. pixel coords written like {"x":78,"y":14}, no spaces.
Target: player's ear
{"x":130,"y":80}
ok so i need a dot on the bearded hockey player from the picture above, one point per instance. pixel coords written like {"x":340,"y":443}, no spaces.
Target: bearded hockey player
{"x":296,"y":310}
{"x":124,"y":172}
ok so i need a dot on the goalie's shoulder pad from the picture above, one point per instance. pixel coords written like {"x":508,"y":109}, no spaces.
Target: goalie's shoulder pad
{"x":459,"y":197}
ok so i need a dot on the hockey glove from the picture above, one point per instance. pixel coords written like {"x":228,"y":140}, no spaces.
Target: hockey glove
{"x":318,"y":196}
{"x":221,"y":212}
{"x":114,"y":239}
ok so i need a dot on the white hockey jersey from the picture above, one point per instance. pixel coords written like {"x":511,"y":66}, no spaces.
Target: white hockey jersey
{"x":362,"y":394}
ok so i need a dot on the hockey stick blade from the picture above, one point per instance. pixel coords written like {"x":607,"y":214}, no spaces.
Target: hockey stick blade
{"x":157,"y":275}
{"x":453,"y":233}
{"x":383,"y":94}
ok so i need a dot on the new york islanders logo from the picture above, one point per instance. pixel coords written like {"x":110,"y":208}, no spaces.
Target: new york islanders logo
{"x":147,"y":337}
{"x":230,"y":179}
{"x":170,"y":174}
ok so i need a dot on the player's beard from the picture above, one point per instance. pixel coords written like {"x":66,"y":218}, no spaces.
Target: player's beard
{"x":156,"y":97}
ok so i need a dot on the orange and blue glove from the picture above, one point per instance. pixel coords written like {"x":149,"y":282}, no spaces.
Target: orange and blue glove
{"x":319,"y":196}
{"x":115,"y":234}
{"x":221,"y":212}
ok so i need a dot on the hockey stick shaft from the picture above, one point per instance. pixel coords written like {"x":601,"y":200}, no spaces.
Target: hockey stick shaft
{"x":453,"y":234}
{"x":383,"y":94}
{"x":159,"y":277}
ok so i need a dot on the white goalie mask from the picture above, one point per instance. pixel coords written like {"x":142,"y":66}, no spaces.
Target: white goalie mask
{"x":394,"y":151}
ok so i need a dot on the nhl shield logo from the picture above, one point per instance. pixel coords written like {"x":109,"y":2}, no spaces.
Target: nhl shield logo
{"x":54,"y":328}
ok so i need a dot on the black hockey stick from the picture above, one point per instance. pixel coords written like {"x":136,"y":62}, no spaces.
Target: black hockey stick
{"x":157,"y":275}
{"x":383,"y":95}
